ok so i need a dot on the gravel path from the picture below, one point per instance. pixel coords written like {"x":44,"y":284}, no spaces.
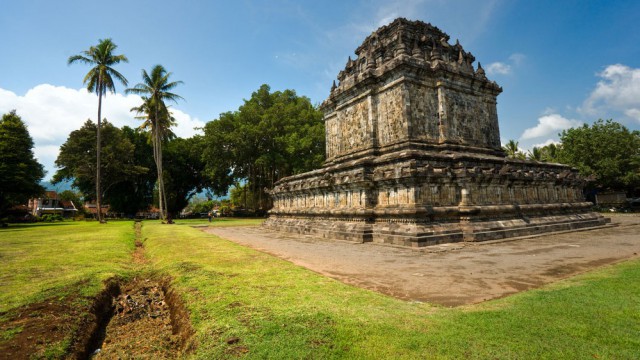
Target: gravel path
{"x":451,"y":274}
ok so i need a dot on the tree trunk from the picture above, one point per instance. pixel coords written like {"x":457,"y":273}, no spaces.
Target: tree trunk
{"x":156,"y":157}
{"x":98,"y":147}
{"x":162,"y":198}
{"x":161,"y":174}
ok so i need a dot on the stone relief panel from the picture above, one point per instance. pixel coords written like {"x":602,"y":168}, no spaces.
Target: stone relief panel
{"x":332,"y":137}
{"x":354,"y":127}
{"x":391,"y":120}
{"x":471,"y":120}
{"x":490,"y":127}
{"x":423,"y":112}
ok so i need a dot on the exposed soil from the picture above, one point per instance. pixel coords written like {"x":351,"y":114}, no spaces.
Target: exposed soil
{"x":141,"y":318}
{"x":40,"y":328}
{"x":451,"y":274}
{"x":138,"y":254}
{"x":142,"y":324}
{"x":57,"y":327}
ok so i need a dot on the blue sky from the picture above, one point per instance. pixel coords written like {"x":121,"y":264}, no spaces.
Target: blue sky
{"x":560,"y":63}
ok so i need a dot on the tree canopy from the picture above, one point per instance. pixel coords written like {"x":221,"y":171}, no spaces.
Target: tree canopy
{"x":20,"y":172}
{"x":272,"y":135}
{"x":605,"y":150}
{"x":135,"y":193}
{"x":76,"y":160}
{"x":184,"y":172}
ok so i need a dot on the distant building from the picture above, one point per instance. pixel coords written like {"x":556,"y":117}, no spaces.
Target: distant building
{"x":151,"y":213}
{"x":50,"y":203}
{"x":91,"y":208}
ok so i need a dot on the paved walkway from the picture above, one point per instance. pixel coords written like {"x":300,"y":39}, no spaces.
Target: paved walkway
{"x":451,"y":274}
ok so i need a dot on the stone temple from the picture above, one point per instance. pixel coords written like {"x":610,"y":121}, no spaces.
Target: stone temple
{"x":414,"y":155}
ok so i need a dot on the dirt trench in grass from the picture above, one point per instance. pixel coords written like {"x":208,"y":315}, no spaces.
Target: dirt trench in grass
{"x":141,"y":317}
{"x":146,"y":317}
{"x":147,"y":320}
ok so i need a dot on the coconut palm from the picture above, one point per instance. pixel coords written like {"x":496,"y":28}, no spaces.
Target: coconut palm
{"x":511,"y":148}
{"x":165,"y":120}
{"x":100,"y":79}
{"x":535,"y":154}
{"x":155,"y":89}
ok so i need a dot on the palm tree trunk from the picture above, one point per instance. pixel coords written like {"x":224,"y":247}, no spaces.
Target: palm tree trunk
{"x":156,"y":157}
{"x":161,"y":174}
{"x":98,"y":147}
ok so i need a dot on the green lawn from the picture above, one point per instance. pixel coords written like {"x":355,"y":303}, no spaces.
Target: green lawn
{"x":42,"y":260}
{"x":279,"y":310}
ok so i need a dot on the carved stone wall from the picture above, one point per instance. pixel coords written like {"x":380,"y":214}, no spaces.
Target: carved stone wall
{"x":414,"y":156}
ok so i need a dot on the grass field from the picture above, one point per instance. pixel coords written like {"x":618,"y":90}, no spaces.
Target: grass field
{"x":274,"y":309}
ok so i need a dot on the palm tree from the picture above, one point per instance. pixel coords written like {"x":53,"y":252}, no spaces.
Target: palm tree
{"x":157,"y":134}
{"x":550,"y":152}
{"x":100,"y":79}
{"x":511,"y":148}
{"x":155,"y":90}
{"x":535,"y":154}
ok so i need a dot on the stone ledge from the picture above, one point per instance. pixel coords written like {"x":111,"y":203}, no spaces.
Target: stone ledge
{"x":420,"y":235}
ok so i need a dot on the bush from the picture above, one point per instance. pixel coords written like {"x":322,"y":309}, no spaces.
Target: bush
{"x":50,"y":218}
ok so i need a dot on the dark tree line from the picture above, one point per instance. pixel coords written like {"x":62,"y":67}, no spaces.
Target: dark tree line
{"x":605,"y":151}
{"x":20,"y":172}
{"x":129,"y":176}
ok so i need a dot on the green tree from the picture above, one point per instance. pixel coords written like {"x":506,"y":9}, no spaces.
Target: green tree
{"x":241,"y":197}
{"x":184,"y":173}
{"x":76,"y":162}
{"x":272,"y":135}
{"x":100,"y":80}
{"x":156,"y":90}
{"x":200,"y":205}
{"x":20,"y":172}
{"x":75,"y":197}
{"x":535,"y":154}
{"x":135,"y":193}
{"x":549,"y":153}
{"x":513,"y":151}
{"x":606,"y":150}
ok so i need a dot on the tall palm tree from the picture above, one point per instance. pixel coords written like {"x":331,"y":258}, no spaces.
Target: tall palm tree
{"x":157,"y":134}
{"x":100,"y":79}
{"x":155,"y":89}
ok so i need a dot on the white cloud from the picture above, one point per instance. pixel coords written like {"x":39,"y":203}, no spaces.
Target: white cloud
{"x":543,"y":144}
{"x":549,"y":125}
{"x":391,"y":10}
{"x":618,"y":90}
{"x":633,"y":113}
{"x":498,"y":68}
{"x":517,"y":59}
{"x":52,"y":112}
{"x":506,"y":68}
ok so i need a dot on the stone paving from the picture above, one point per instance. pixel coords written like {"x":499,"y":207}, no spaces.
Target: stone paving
{"x":456,"y":273}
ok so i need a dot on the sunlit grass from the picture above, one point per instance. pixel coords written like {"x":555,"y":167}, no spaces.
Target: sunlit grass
{"x":52,"y":259}
{"x":279,"y":310}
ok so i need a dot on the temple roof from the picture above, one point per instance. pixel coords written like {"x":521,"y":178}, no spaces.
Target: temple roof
{"x":416,"y":43}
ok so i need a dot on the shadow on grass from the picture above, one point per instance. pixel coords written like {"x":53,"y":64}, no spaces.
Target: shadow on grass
{"x":24,"y":226}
